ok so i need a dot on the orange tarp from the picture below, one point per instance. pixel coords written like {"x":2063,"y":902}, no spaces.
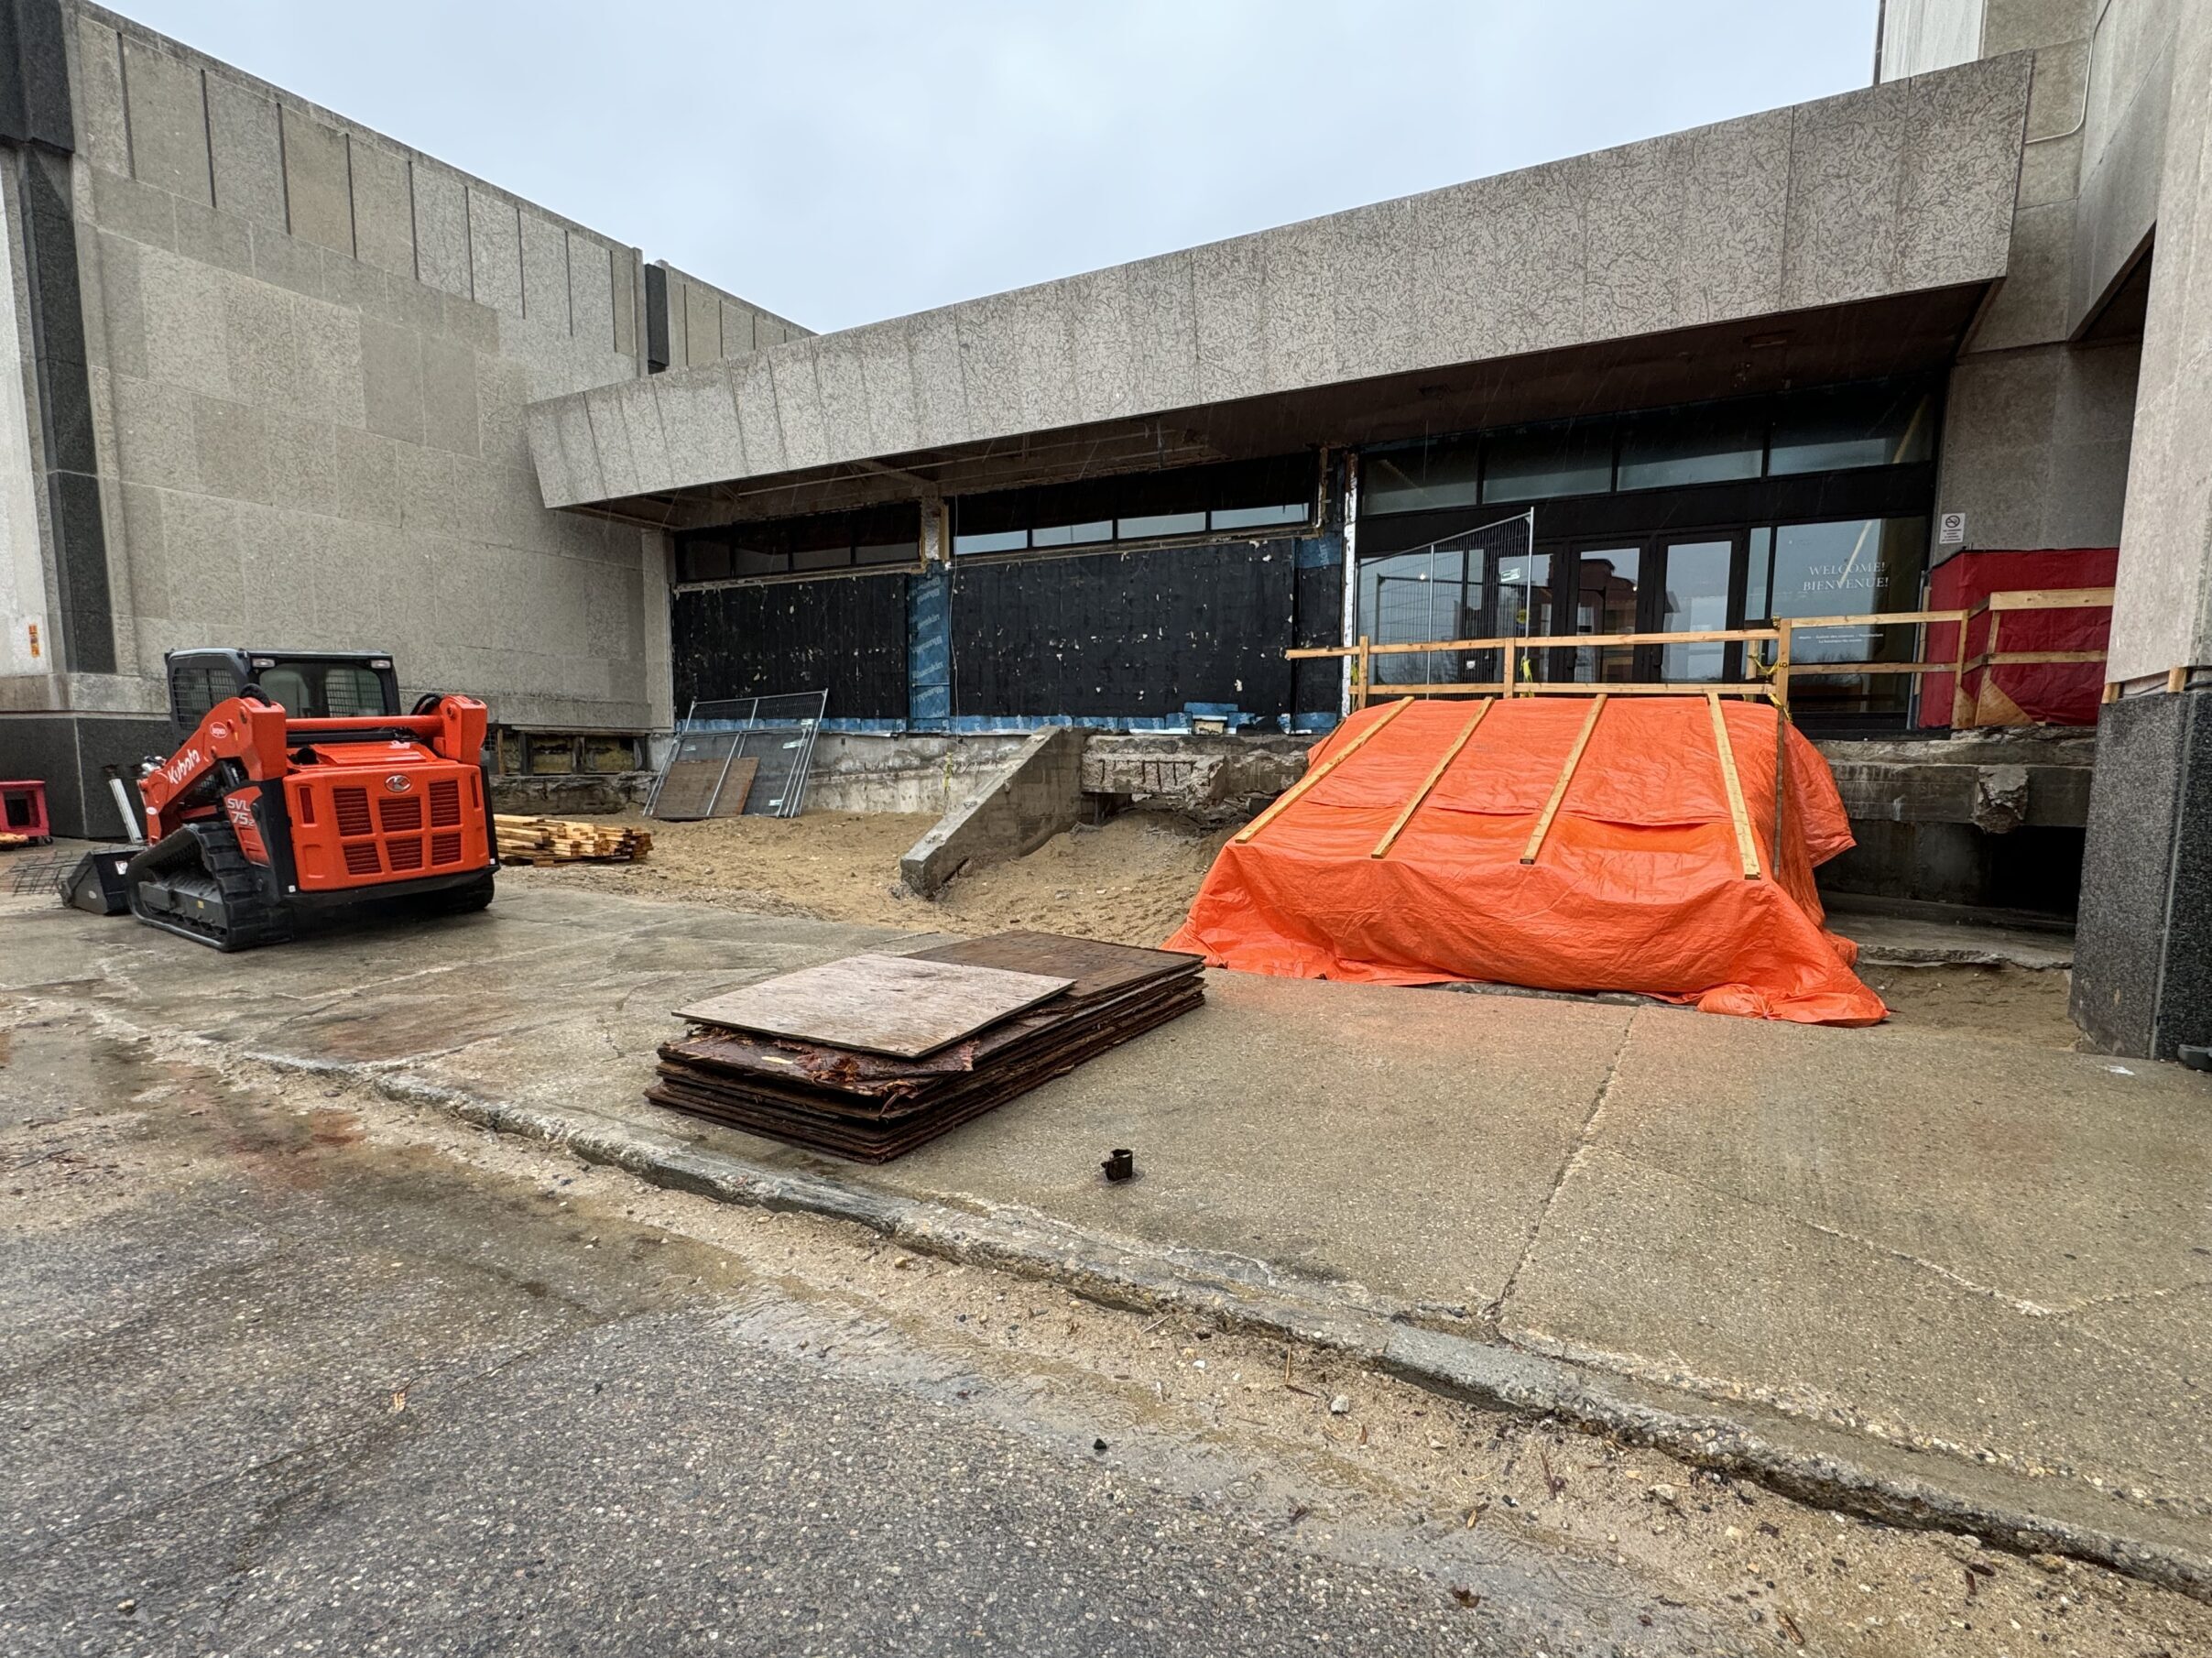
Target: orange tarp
{"x":1638,"y":883}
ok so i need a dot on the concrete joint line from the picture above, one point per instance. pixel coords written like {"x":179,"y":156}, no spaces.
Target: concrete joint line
{"x":1495,"y":1313}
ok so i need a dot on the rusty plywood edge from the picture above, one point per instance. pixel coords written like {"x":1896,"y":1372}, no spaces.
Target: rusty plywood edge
{"x":898,"y":1004}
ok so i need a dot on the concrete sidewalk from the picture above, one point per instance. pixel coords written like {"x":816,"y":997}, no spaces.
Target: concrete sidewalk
{"x":1952,"y":1265}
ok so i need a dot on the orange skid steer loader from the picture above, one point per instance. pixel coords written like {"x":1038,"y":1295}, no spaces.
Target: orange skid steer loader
{"x":302,"y":789}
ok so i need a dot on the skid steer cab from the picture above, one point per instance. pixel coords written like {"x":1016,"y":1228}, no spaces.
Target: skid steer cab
{"x":298,"y":789}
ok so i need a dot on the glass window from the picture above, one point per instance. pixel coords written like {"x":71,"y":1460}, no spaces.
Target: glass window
{"x":887,"y":535}
{"x":1071,"y":535}
{"x":1836,"y":426}
{"x":1696,"y":592}
{"x":1178,"y":501}
{"x":700,"y":560}
{"x":1157,"y":524}
{"x":1532,"y":462}
{"x":1604,"y":601}
{"x":1699,"y":445}
{"x":1442,"y":472}
{"x":820,"y":543}
{"x":1757,"y":600}
{"x":199,"y":687}
{"x":1071,"y":515}
{"x":1437,"y":593}
{"x":288,"y":688}
{"x":349,"y":692}
{"x":991,"y":523}
{"x":1851,"y":567}
{"x":1254,"y":518}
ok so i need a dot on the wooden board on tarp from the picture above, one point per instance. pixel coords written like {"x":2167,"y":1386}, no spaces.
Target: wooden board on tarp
{"x":898,"y":1004}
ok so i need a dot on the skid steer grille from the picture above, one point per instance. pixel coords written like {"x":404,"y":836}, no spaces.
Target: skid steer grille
{"x":351,"y":806}
{"x":353,"y":829}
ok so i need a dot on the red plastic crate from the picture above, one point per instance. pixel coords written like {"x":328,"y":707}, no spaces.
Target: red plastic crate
{"x":23,"y":809}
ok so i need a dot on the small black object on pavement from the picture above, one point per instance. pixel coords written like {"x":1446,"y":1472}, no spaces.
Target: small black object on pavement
{"x":1120,"y":1165}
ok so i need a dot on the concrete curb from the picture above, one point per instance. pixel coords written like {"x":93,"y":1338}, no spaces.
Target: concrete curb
{"x":1811,"y":1464}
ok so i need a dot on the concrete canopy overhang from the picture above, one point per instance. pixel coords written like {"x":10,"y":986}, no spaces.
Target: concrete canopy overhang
{"x":1852,"y":235}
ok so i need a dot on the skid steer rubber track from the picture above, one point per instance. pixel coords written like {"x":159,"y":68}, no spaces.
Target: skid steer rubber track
{"x":197,"y":884}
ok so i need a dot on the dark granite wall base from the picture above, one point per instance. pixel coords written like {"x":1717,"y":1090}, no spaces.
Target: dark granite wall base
{"x":66,"y":752}
{"x":2036,"y":869}
{"x":2143,"y":960}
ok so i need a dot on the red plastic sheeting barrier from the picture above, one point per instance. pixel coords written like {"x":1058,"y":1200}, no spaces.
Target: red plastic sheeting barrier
{"x":1638,"y":885}
{"x":2020,"y":694}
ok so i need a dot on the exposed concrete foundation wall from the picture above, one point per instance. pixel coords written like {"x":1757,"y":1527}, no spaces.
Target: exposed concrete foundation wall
{"x":911,"y":773}
{"x":1212,"y":779}
{"x":1037,"y":793}
{"x":572,"y":794}
{"x":1995,"y":781}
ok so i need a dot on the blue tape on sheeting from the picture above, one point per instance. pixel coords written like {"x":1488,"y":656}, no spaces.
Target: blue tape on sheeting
{"x":1317,"y":552}
{"x":1315,"y":722}
{"x":929,"y":647}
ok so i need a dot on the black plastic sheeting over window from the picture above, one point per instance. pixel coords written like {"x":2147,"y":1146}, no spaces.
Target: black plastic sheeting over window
{"x":846,"y":635}
{"x":1126,"y":635}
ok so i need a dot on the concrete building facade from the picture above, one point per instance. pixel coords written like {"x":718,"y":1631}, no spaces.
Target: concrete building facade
{"x":335,"y":391}
{"x":267,"y":376}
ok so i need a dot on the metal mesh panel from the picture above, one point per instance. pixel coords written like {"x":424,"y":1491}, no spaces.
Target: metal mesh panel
{"x":707,"y":773}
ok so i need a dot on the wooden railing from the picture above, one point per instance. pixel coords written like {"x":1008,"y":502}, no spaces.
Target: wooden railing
{"x":1766,"y":674}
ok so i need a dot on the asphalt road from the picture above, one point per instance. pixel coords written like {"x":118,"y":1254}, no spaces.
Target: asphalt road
{"x":271,"y":1387}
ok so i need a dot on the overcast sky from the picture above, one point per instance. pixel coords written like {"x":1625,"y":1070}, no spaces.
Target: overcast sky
{"x":842,"y":162}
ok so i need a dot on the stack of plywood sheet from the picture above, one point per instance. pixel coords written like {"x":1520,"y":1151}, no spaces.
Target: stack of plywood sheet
{"x":551,"y":840}
{"x":871,"y":1056}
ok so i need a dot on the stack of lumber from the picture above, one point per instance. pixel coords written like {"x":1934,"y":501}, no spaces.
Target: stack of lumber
{"x":871,"y":1056}
{"x":553,"y":840}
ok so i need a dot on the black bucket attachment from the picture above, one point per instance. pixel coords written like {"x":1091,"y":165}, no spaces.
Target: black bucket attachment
{"x":98,"y":883}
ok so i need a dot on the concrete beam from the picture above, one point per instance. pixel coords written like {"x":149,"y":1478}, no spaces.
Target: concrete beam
{"x":1896,"y":189}
{"x":1036,"y":795}
{"x":1998,"y":782}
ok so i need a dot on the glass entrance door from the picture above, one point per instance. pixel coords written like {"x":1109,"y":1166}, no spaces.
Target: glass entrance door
{"x":1691,"y":590}
{"x":1606,"y":586}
